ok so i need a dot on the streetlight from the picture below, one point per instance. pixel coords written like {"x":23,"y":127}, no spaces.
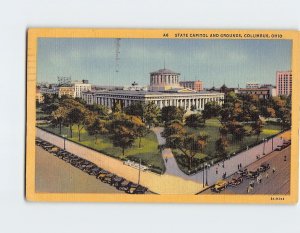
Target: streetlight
{"x":203,"y":175}
{"x":264,"y":139}
{"x":206,"y":183}
{"x":64,"y":137}
{"x":139,"y":178}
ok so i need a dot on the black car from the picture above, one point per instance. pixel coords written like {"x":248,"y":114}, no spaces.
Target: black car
{"x":235,"y":181}
{"x":252,"y":174}
{"x":95,"y":171}
{"x":263,"y":167}
{"x":108,"y":178}
{"x":140,"y":190}
{"x":136,"y":189}
{"x":242,"y":172}
{"x":102,"y":174}
{"x":116,"y":181}
{"x":124,"y":185}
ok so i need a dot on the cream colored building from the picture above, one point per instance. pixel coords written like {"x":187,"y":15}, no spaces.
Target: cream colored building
{"x":66,"y":90}
{"x":163,"y":80}
{"x":81,"y":86}
{"x":164,"y":91}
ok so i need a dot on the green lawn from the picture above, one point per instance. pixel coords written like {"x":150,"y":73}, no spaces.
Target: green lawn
{"x":212,"y":129}
{"x":149,"y":154}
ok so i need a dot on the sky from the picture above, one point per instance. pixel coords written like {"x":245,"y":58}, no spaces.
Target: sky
{"x":215,"y":62}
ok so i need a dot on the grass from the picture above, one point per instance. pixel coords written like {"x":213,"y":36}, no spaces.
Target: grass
{"x":212,"y":129}
{"x":148,"y":153}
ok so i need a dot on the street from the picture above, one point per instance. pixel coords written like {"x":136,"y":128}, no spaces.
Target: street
{"x":272,"y":183}
{"x":54,"y":175}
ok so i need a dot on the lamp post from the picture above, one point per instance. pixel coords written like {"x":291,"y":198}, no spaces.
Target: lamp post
{"x":206,"y":183}
{"x":272,"y":143}
{"x":64,"y":137}
{"x":203,"y":175}
{"x":264,"y":145}
{"x":139,"y":178}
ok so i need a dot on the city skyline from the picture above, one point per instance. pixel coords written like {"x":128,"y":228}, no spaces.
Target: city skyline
{"x":215,"y":62}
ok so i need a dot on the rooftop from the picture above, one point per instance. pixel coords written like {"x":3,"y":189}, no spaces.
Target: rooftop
{"x":143,"y":93}
{"x":164,"y":71}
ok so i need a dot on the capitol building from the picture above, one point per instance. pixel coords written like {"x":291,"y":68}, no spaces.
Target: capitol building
{"x":164,"y":90}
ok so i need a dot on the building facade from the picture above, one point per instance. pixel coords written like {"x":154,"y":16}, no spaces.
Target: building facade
{"x":39,"y":96}
{"x":126,"y":98}
{"x":163,"y":80}
{"x":81,"y":86}
{"x":261,"y":93}
{"x":66,"y":90}
{"x":252,"y":85}
{"x":193,"y":85}
{"x":284,"y":82}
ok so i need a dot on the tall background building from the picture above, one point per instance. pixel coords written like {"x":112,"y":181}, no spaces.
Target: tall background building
{"x":284,"y":82}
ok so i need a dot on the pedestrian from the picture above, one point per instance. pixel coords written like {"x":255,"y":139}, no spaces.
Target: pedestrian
{"x":260,"y":178}
{"x":238,"y":167}
{"x":166,"y":160}
{"x":267,"y":175}
{"x":225,"y":174}
{"x":273,"y":170}
{"x":217,"y":170}
{"x":284,"y":158}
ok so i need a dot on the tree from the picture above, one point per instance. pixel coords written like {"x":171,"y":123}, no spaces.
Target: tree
{"x":236,"y":129}
{"x":122,"y":133}
{"x":194,"y":121}
{"x":172,"y":113}
{"x":140,"y":128}
{"x":223,"y":131}
{"x":151,"y":114}
{"x":188,"y":144}
{"x":135,"y":109}
{"x":211,"y":109}
{"x":257,"y":127}
{"x":101,"y":110}
{"x":221,"y":147}
{"x":58,"y":117}
{"x":80,"y":117}
{"x":172,"y":129}
{"x":116,"y":109}
{"x":69,"y":104}
{"x":96,"y":128}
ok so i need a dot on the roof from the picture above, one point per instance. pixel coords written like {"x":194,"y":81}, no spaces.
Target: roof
{"x":147,"y":93}
{"x":164,"y":71}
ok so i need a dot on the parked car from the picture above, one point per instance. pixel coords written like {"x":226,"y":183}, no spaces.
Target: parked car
{"x":95,"y":171}
{"x":235,"y":181}
{"x":219,"y":186}
{"x":252,"y":174}
{"x":38,"y":141}
{"x":117,"y":180}
{"x":137,"y":189}
{"x":263,"y":167}
{"x":242,"y":172}
{"x":108,"y":178}
{"x":124,"y":185}
{"x":102,"y":174}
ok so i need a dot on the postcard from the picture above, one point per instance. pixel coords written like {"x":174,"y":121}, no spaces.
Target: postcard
{"x":175,"y":116}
